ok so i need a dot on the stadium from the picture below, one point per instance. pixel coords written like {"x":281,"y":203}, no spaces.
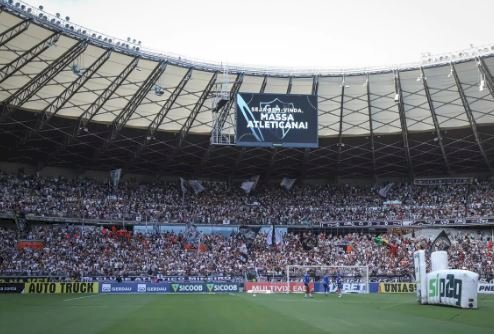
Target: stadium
{"x":142,"y":191}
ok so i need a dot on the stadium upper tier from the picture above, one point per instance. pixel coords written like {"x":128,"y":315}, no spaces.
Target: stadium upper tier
{"x":111,"y":103}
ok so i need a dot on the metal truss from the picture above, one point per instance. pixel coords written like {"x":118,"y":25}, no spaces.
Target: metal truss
{"x":394,"y":137}
{"x":371,"y":134}
{"x":340,"y":131}
{"x":26,"y":57}
{"x":184,"y":131}
{"x":160,"y":116}
{"x":136,"y":99}
{"x":94,"y":108}
{"x":434,"y":118}
{"x":58,"y":103}
{"x":471,"y":119}
{"x":14,"y":31}
{"x":27,"y":91}
{"x":403,"y":123}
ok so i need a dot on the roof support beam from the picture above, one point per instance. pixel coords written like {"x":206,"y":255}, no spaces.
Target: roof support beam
{"x":91,"y":111}
{"x":263,"y":85}
{"x":289,"y":89}
{"x":471,"y":119}
{"x":315,"y":85}
{"x":315,"y":91}
{"x":14,"y":31}
{"x":184,"y":131}
{"x":51,"y":109}
{"x":122,"y":118}
{"x":434,"y":119}
{"x":371,"y":129}
{"x":67,"y":94}
{"x":403,"y":124}
{"x":340,"y":131}
{"x":134,"y":102}
{"x":23,"y":59}
{"x":32,"y":87}
{"x":161,"y":115}
{"x":94,"y":108}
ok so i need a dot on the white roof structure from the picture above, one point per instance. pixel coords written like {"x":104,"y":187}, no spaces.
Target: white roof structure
{"x":76,"y":89}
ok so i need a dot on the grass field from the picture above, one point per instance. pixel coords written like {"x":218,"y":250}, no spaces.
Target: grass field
{"x":240,"y":313}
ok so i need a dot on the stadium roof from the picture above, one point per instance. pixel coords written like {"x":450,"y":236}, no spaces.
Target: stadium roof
{"x":71,"y":97}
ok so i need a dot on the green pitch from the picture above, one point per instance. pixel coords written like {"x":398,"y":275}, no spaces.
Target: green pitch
{"x":242,"y":313}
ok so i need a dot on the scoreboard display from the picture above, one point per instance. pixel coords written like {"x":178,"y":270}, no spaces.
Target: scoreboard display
{"x":276,"y":120}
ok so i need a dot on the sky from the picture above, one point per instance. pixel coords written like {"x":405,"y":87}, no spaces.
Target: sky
{"x":304,"y":34}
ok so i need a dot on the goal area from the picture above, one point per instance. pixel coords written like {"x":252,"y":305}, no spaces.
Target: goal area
{"x":354,"y":279}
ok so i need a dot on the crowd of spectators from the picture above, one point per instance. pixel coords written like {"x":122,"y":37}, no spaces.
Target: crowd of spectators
{"x":89,"y":251}
{"x":222,"y":203}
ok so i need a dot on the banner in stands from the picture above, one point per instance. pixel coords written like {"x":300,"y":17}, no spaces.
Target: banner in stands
{"x":11,"y":287}
{"x":397,"y":287}
{"x":276,"y":120}
{"x":486,"y":288}
{"x":347,"y":287}
{"x":32,"y":244}
{"x":65,"y":287}
{"x":275,"y":287}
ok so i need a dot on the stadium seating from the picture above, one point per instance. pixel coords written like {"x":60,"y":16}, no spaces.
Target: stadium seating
{"x":308,"y":204}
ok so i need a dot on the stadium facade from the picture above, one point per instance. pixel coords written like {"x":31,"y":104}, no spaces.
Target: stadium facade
{"x":73,"y":98}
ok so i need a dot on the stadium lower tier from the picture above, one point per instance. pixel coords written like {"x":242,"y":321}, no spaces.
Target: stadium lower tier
{"x":76,"y":252}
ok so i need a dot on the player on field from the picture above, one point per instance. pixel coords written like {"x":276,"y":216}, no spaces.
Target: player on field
{"x":339,"y":285}
{"x":308,"y":293}
{"x":325,"y":283}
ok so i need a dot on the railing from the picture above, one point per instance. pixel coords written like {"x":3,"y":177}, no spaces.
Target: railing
{"x":471,"y":221}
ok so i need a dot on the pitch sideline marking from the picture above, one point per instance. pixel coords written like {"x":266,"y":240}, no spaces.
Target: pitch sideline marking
{"x":66,"y":300}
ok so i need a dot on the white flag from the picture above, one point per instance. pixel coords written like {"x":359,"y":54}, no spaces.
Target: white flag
{"x":196,"y":186}
{"x":287,"y":183}
{"x":250,"y":184}
{"x":278,"y":237}
{"x":115,"y":176}
{"x":183,"y":185}
{"x":383,"y":192}
{"x":269,"y":237}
